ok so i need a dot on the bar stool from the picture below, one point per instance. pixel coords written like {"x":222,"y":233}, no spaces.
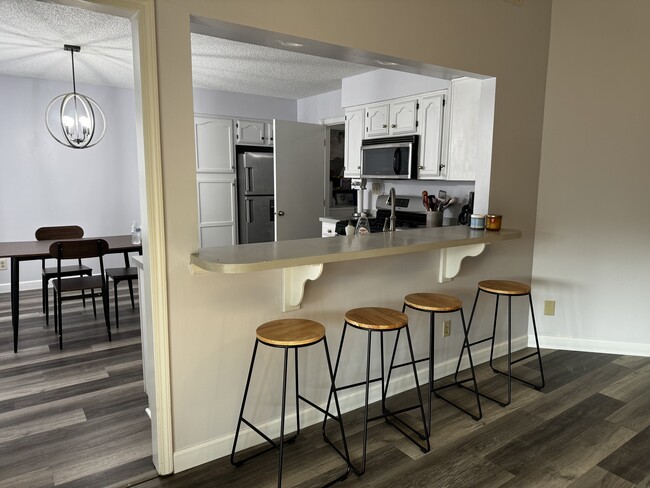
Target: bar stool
{"x":291,"y":334}
{"x":509,"y":289}
{"x":382,"y":320}
{"x":438,"y":303}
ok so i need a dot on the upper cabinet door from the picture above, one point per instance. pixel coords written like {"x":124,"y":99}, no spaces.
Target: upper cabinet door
{"x":214,"y":145}
{"x":354,"y":126}
{"x":251,"y":132}
{"x":403,"y":117}
{"x":377,"y":120}
{"x":431,"y":164}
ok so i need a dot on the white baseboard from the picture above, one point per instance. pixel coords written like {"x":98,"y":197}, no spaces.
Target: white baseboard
{"x":24,"y":285}
{"x":591,"y":345}
{"x":198,"y":454}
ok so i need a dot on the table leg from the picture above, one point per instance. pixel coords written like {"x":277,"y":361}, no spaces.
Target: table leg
{"x":15,"y":285}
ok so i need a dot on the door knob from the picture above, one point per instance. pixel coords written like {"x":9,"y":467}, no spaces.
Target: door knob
{"x":281,"y":213}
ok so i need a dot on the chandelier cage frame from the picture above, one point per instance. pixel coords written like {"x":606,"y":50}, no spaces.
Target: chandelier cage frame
{"x":77,"y":115}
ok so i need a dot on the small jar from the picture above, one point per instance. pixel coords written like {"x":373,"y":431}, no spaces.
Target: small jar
{"x":477,"y":221}
{"x":493,"y":222}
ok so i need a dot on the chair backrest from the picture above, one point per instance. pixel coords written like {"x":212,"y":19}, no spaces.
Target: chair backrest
{"x":78,"y":249}
{"x":59,"y":232}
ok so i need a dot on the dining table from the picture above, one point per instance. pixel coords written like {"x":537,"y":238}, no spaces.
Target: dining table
{"x":37,"y":250}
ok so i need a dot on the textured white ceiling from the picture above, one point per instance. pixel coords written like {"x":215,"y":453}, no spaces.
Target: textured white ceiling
{"x":32,"y":35}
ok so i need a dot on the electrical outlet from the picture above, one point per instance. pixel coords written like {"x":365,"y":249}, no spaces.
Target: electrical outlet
{"x":376,"y":186}
{"x":549,"y":307}
{"x":3,"y":264}
{"x":446,"y":328}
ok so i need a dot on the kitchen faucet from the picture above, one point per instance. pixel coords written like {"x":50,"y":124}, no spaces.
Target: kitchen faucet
{"x":392,"y":218}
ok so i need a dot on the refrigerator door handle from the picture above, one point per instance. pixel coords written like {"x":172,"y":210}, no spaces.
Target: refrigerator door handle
{"x":249,"y":212}
{"x":248,"y":178}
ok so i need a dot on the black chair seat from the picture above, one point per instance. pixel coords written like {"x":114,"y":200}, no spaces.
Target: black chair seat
{"x":120,"y":274}
{"x":78,"y":283}
{"x":72,"y":270}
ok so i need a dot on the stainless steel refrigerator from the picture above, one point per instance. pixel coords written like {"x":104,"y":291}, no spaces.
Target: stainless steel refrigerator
{"x":255,"y":197}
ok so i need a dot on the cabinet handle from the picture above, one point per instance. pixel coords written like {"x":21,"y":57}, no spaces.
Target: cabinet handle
{"x":383,"y":126}
{"x":420,"y":167}
{"x":358,"y":167}
{"x":442,"y":166}
{"x":393,"y":126}
{"x":329,"y":231}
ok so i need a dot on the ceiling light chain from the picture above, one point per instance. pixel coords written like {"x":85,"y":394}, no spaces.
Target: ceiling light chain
{"x":77,"y":121}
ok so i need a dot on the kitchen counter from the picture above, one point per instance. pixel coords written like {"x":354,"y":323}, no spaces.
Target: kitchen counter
{"x":303,"y":259}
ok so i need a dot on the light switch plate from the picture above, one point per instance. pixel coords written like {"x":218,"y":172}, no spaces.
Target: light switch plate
{"x":3,"y":264}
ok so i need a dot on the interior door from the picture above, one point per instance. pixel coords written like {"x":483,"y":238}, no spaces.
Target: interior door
{"x":299,"y":152}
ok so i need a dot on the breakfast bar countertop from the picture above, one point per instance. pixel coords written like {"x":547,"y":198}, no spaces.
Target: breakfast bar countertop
{"x":287,"y":254}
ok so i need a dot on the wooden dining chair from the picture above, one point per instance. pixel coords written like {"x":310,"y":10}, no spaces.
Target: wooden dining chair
{"x":127,"y":273}
{"x":64,"y":287}
{"x":48,"y":273}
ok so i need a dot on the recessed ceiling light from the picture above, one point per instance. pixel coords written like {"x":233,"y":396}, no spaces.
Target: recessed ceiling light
{"x":386,"y":63}
{"x":289,"y":43}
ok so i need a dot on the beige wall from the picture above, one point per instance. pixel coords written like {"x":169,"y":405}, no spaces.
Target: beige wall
{"x":591,"y":247}
{"x":213,"y":317}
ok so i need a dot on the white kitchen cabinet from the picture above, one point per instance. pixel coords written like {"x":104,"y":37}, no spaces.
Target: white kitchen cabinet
{"x":214,"y":144}
{"x":403,"y":117}
{"x":251,"y":132}
{"x":395,"y":118}
{"x":432,"y":159}
{"x":464,"y":128}
{"x":217,"y":209}
{"x":377,"y":120}
{"x":354,"y":127}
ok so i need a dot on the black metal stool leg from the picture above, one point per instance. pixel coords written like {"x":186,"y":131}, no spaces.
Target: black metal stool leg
{"x":539,"y":353}
{"x":365,"y":408}
{"x":297,"y":392}
{"x":494,"y":331}
{"x":243,"y":404}
{"x":282,"y":414}
{"x":117,"y":312}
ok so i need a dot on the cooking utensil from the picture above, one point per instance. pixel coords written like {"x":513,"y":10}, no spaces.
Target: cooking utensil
{"x":425,"y":200}
{"x":433,"y":203}
{"x":450,"y":201}
{"x":442,"y":195}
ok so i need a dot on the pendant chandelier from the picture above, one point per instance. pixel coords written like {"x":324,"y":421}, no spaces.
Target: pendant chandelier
{"x":77,"y":121}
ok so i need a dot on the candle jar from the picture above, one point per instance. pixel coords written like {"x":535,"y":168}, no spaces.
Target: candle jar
{"x":477,"y":221}
{"x":493,"y":222}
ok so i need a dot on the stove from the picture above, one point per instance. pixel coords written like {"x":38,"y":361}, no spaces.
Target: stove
{"x":409,"y":211}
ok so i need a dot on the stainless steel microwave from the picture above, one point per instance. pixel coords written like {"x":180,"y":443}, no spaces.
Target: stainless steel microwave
{"x":389,"y":157}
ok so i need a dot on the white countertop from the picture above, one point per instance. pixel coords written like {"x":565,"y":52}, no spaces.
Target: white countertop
{"x":288,"y":254}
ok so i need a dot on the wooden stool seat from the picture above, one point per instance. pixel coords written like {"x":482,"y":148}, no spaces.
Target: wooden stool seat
{"x":433,"y":302}
{"x":376,"y":318}
{"x":504,"y":287}
{"x":290,"y":332}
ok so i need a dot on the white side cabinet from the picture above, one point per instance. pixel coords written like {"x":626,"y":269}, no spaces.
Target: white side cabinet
{"x":214,"y":144}
{"x":217,"y":210}
{"x":432,"y":161}
{"x":464,"y":128}
{"x":354,"y":126}
{"x":251,"y":132}
{"x":215,"y":180}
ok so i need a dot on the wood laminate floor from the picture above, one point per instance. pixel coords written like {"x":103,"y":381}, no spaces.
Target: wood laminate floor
{"x":72,"y":418}
{"x":75,"y":419}
{"x":589,"y":427}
